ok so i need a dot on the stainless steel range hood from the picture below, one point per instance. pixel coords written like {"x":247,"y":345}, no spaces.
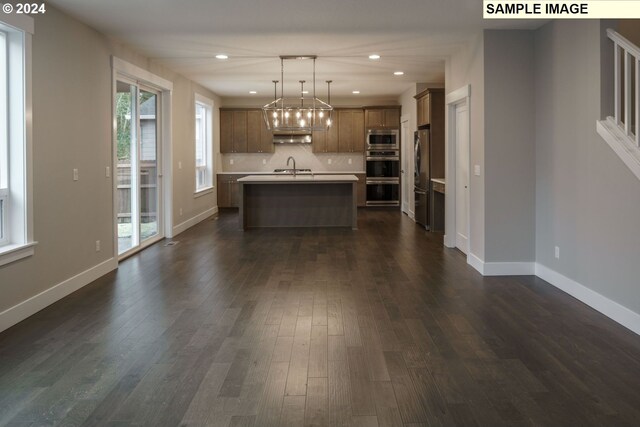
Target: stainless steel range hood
{"x":292,"y":137}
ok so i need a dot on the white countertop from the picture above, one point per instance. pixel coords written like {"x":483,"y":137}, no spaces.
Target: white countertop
{"x":277,"y":173}
{"x":306,"y":178}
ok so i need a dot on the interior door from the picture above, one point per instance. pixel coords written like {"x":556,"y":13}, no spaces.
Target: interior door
{"x":138,"y":179}
{"x":462,"y":177}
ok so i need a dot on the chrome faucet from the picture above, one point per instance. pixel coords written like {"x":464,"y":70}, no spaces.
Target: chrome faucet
{"x":294,"y":164}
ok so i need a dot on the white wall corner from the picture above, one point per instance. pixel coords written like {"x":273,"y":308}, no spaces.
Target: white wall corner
{"x":21,"y":311}
{"x":618,"y":313}
{"x":501,"y":268}
{"x":475,"y":262}
{"x":620,"y":143}
{"x":193,"y":221}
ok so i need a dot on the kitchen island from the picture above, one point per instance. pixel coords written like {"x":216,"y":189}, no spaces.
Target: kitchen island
{"x":298,"y":201}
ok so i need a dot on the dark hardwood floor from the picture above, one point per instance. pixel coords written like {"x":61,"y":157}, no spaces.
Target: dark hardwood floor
{"x":377,"y":327}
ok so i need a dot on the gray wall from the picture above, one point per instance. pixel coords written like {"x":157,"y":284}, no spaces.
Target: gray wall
{"x":509,"y":144}
{"x":72,"y":92}
{"x":587,"y":201}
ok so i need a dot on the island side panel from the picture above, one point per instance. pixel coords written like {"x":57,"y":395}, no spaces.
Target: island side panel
{"x":286,"y":204}
{"x":241,"y":192}
{"x":354,"y":208}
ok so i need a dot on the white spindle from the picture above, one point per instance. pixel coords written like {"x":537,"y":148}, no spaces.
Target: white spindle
{"x":616,"y":88}
{"x":627,"y":92}
{"x":638,"y":101}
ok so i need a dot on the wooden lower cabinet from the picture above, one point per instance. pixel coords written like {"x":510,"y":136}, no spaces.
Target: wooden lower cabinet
{"x":362,"y":189}
{"x":228,"y":190}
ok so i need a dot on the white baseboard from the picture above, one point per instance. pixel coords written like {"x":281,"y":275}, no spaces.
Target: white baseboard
{"x":21,"y":311}
{"x":619,"y":313}
{"x":501,"y":268}
{"x":193,"y":221}
{"x":450,"y":243}
{"x":412,"y":215}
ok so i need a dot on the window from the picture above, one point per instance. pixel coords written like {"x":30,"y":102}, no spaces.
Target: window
{"x":16,"y":239}
{"x":204,"y":148}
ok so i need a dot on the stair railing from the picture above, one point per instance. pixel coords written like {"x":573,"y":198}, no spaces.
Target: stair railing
{"x":627,"y":103}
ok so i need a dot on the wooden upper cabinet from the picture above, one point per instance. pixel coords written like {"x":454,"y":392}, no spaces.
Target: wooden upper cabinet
{"x":239,"y":131}
{"x":430,"y":104}
{"x":259,"y":138}
{"x":382,"y":118}
{"x":326,"y":141}
{"x":233,"y":131}
{"x":226,"y":131}
{"x":244,"y":131}
{"x":350,"y":131}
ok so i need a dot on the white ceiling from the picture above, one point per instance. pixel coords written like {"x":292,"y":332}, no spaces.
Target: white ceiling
{"x":414,"y":36}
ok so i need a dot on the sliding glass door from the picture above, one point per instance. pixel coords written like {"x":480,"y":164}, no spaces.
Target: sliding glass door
{"x":138,"y":166}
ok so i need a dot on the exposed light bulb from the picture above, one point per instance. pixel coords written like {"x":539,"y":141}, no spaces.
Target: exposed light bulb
{"x":309,"y":114}
{"x":275,"y":114}
{"x":297,"y":114}
{"x":302,"y":123}
{"x":328,"y":122}
{"x":321,"y":114}
{"x":275,"y":123}
{"x":286,"y":114}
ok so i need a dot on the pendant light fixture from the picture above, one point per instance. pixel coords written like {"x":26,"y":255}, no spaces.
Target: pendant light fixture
{"x":297,"y":114}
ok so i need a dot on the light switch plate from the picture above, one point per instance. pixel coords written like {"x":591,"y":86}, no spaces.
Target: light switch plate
{"x":230,"y":161}
{"x":264,"y":161}
{"x":350,"y":161}
{"x":179,"y":165}
{"x":107,"y":172}
{"x":328,"y":161}
{"x":476,"y":170}
{"x":75,"y":175}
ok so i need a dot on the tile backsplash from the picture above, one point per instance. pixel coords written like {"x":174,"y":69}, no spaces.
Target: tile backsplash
{"x":303,"y":154}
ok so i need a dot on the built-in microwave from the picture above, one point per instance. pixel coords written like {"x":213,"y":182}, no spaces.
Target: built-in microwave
{"x":383,"y":139}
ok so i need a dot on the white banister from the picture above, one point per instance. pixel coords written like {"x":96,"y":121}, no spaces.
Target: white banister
{"x":625,"y":96}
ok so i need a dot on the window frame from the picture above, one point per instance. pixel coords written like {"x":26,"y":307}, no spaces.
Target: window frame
{"x":209,"y":185}
{"x":17,"y":194}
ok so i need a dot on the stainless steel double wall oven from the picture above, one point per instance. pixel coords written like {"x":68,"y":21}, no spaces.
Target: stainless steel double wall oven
{"x":383,"y":167}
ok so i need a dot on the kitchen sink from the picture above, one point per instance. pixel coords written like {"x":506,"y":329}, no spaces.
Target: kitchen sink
{"x":290,"y":171}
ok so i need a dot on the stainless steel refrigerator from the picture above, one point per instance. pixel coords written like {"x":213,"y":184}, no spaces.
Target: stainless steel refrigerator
{"x":422,"y":176}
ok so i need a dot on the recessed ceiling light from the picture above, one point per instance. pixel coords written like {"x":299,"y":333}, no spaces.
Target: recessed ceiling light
{"x":222,"y":56}
{"x":374,"y":56}
{"x":398,"y":73}
{"x":252,"y":92}
{"x":355,"y":92}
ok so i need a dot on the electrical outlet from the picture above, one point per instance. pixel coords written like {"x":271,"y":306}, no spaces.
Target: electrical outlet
{"x":179,"y":165}
{"x":328,"y":161}
{"x":476,"y":170}
{"x":76,"y":176}
{"x":180,"y":211}
{"x":97,"y":245}
{"x":349,"y":161}
{"x":557,"y":252}
{"x":264,"y":161}
{"x":230,"y":161}
{"x":107,"y":172}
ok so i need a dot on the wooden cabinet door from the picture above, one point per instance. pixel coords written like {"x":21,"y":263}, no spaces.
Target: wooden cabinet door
{"x":351,"y":131}
{"x":266,"y":137}
{"x":224,"y":200}
{"x":424,"y":116}
{"x":362,"y":189}
{"x":239,"y":131}
{"x":254,"y":131}
{"x":226,"y":131}
{"x":331,"y":136}
{"x":374,"y":119}
{"x":319,"y":141}
{"x":357,"y":138}
{"x":392,"y":118}
{"x":345,"y":131}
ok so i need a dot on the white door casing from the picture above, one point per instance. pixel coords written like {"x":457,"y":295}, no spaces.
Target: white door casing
{"x":462,"y":176}
{"x":460,"y":97}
